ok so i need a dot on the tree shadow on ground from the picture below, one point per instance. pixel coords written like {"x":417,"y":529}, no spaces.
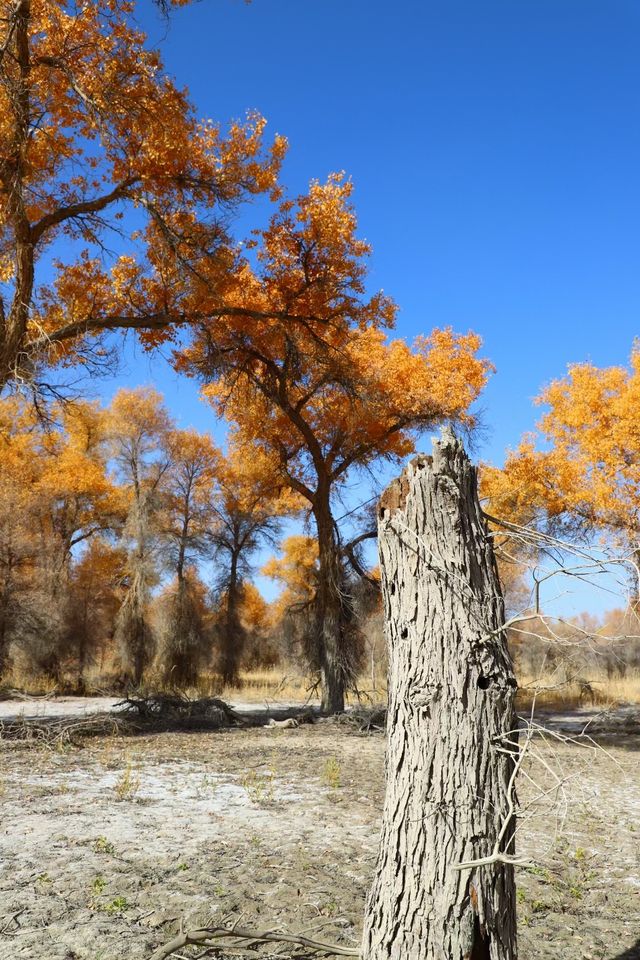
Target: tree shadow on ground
{"x":633,"y":953}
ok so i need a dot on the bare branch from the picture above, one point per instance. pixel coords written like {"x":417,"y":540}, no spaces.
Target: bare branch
{"x":211,"y":934}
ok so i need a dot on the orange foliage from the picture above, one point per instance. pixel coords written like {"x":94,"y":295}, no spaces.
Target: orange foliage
{"x":254,"y":609}
{"x":331,"y":386}
{"x":193,"y":465}
{"x":306,"y":373}
{"x":95,"y":135}
{"x":59,"y":473}
{"x":588,"y":470}
{"x":296,"y":570}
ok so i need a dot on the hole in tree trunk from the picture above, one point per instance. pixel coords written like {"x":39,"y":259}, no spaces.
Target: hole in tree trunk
{"x":484,"y":682}
{"x":481,"y":944}
{"x":404,"y":633}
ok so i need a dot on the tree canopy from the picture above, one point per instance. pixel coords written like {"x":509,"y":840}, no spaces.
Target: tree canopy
{"x":110,"y":180}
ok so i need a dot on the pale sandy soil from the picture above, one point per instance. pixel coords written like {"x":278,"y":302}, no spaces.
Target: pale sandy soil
{"x":34,"y":708}
{"x":105,"y":848}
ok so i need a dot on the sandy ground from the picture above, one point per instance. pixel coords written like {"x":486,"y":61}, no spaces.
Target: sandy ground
{"x":33,"y":707}
{"x":105,"y":848}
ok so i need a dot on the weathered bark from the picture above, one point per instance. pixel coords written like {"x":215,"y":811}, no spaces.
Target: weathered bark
{"x":451,"y":692}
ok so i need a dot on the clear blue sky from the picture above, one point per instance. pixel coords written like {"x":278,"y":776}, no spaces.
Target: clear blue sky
{"x":495,"y":149}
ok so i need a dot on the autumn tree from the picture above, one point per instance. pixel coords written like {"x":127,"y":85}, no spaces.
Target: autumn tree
{"x":261,"y":648}
{"x":190,"y":482}
{"x":328,"y":394}
{"x":184,"y":627}
{"x":80,"y":497}
{"x":95,"y":585}
{"x":18,"y":475}
{"x":139,"y":425}
{"x":77,"y":501}
{"x":296,"y":571}
{"x":56,"y":496}
{"x":103,"y":158}
{"x":580,"y":473}
{"x":248,"y":505}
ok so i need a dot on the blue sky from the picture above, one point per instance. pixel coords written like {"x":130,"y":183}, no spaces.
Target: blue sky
{"x":495,"y":149}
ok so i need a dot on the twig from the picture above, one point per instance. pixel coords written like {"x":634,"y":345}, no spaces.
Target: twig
{"x":208,"y":935}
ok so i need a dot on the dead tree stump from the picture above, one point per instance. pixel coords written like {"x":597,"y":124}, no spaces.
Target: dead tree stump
{"x":450,"y":719}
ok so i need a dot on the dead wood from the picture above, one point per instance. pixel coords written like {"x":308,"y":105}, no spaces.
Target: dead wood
{"x":177,"y":707}
{"x":135,"y":715}
{"x":210,"y":935}
{"x":362,"y":720}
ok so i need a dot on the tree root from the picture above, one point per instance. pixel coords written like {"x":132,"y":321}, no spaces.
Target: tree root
{"x":208,"y":936}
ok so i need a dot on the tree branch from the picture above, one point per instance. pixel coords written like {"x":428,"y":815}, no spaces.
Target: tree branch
{"x":79,"y":209}
{"x":209,"y":935}
{"x":155,"y":321}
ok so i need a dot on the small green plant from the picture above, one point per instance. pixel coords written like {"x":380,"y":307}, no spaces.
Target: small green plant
{"x":329,"y":908}
{"x":331,"y":773}
{"x":539,"y":906}
{"x":538,"y":872}
{"x":259,"y":786}
{"x":521,"y":896}
{"x":219,"y":890}
{"x":98,"y":885}
{"x":43,"y":878}
{"x":183,"y":866}
{"x":207,"y":785}
{"x":102,"y":845}
{"x":128,"y":784}
{"x":117,"y":905}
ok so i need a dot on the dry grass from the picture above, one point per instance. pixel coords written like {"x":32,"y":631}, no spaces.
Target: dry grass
{"x":285,"y":685}
{"x":281,"y":686}
{"x":549,"y":689}
{"x":594,"y":689}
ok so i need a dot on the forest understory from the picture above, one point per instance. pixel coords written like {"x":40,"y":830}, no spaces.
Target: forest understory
{"x":108,"y":847}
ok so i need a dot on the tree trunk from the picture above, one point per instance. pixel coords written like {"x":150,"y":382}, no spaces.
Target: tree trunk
{"x":232,"y":638}
{"x":634,"y":592}
{"x":83,"y":642}
{"x":330,"y":635}
{"x":4,"y":645}
{"x":451,"y":692}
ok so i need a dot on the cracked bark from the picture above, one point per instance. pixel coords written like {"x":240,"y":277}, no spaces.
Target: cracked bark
{"x":451,"y":692}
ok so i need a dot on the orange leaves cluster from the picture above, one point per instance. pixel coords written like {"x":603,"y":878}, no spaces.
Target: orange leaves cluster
{"x":355,"y":405}
{"x":588,"y":468}
{"x":312,"y":262}
{"x":95,"y":136}
{"x":103,"y":101}
{"x":59,"y":475}
{"x":305,"y":370}
{"x":297,"y":567}
{"x":296,"y":570}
